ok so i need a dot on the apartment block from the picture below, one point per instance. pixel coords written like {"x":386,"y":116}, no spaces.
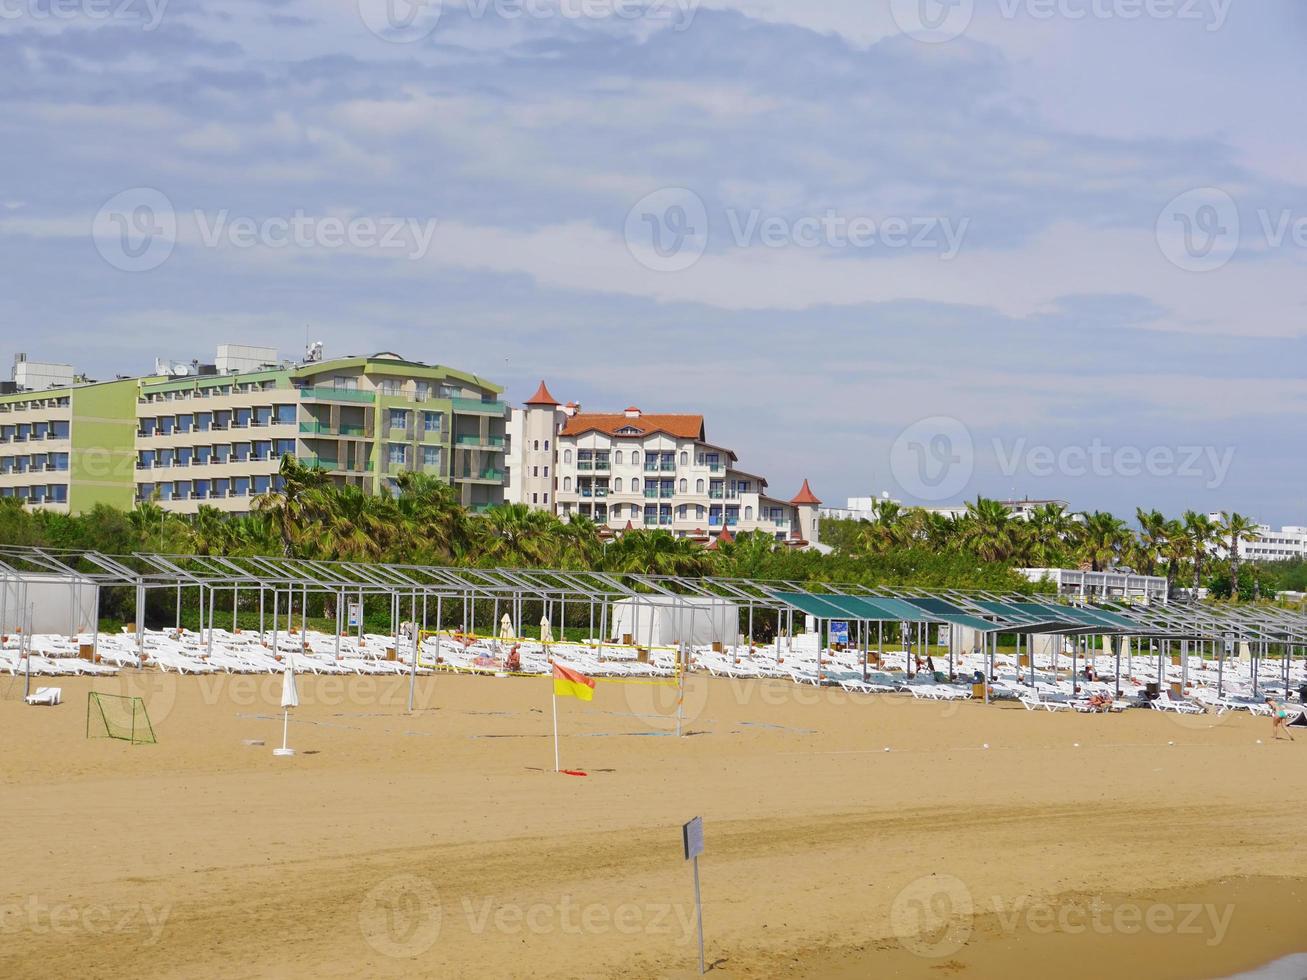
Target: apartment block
{"x":632,"y":469}
{"x":194,"y":436}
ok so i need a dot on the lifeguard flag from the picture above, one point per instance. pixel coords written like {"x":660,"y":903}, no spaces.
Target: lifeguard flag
{"x":569,"y":684}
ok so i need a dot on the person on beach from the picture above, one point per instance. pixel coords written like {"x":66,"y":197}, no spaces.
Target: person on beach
{"x":1278,"y":716}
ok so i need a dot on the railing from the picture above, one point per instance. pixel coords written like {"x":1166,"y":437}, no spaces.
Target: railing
{"x":320,"y":463}
{"x":337,"y":394}
{"x":475,"y":405}
{"x":497,"y":441}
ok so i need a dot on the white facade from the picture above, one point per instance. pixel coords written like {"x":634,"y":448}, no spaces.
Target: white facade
{"x":1118,"y":585}
{"x":40,"y":375}
{"x":1269,"y":544}
{"x":644,"y":470}
{"x":864,"y":508}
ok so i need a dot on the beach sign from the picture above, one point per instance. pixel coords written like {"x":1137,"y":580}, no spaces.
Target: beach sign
{"x":839,"y":632}
{"x":356,"y":614}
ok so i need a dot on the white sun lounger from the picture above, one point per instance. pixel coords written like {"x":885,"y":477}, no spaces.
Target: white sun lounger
{"x":45,"y":695}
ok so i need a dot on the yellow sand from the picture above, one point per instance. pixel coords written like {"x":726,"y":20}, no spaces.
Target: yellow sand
{"x":441,"y":843}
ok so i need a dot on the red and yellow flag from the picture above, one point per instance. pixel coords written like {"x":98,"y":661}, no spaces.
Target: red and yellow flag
{"x":569,"y":684}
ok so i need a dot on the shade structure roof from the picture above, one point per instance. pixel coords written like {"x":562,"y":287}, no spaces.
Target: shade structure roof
{"x":984,"y":611}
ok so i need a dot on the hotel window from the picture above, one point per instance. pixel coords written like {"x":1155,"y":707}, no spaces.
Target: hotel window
{"x":398,"y":418}
{"x":535,"y":498}
{"x":7,"y":432}
{"x":184,"y":455}
{"x":263,"y":450}
{"x":685,"y":486}
{"x":241,"y":486}
{"x":430,"y":455}
{"x":203,"y":454}
{"x":182,"y":490}
{"x":201,"y":489}
{"x":748,"y":513}
{"x":422,"y":391}
{"x":222,"y":453}
{"x":546,"y":445}
{"x":567,"y":456}
{"x":567,"y":484}
{"x":241,"y":450}
{"x":263,"y":415}
{"x":262,"y":484}
{"x":284,"y":447}
{"x":185,"y":423}
{"x":388,"y":387}
{"x":617,"y":457}
{"x":243,"y":417}
{"x":220,"y":486}
{"x":635,"y":484}
{"x":432,"y":421}
{"x":698,"y":486}
{"x":397,"y":453}
{"x":685,"y":459}
{"x":698,"y":510}
{"x":546,"y":498}
{"x":222,"y":419}
{"x":635,"y":458}
{"x":166,"y":425}
{"x":24,"y":431}
{"x":59,"y":430}
{"x":165,"y":457}
{"x":536,"y":447}
{"x":203,"y":421}
{"x":345,"y":384}
{"x":284,"y":414}
{"x":617,"y":485}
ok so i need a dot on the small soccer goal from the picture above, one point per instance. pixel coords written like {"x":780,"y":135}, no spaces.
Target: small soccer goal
{"x":118,"y":716}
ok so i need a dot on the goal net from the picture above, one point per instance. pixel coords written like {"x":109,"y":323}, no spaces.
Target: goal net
{"x":118,"y":716}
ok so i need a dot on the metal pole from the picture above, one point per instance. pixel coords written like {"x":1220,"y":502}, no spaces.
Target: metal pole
{"x":698,"y":905}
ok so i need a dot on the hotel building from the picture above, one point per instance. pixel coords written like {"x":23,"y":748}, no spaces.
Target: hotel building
{"x":631,"y":469}
{"x":214,"y":435}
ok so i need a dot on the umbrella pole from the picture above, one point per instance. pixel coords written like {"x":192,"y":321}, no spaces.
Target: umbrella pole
{"x":285,"y":726}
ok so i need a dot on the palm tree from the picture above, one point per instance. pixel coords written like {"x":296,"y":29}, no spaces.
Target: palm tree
{"x":1152,"y":539}
{"x":1046,"y":535}
{"x":1202,"y":533}
{"x":657,"y":552}
{"x":1102,"y":538}
{"x":1235,"y":528}
{"x":298,"y":505}
{"x":881,"y":532}
{"x":989,"y":530}
{"x":517,"y":535}
{"x":1175,"y":550}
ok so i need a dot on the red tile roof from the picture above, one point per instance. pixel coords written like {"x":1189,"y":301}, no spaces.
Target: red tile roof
{"x":805,"y":496}
{"x":679,"y":426}
{"x":542,"y":397}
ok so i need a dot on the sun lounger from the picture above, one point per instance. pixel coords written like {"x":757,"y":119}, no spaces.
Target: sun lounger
{"x":45,"y":695}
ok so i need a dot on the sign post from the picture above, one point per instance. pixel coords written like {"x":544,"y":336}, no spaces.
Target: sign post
{"x":692,"y":838}
{"x":839,"y":632}
{"x":355,"y":614}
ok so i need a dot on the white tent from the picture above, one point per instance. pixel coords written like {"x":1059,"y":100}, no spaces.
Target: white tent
{"x":667,"y":620}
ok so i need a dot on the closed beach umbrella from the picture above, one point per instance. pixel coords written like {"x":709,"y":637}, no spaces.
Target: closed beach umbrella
{"x":506,"y":628}
{"x":546,"y":634}
{"x":290,"y":698}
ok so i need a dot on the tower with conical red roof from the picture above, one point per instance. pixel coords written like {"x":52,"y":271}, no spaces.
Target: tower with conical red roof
{"x":805,"y":504}
{"x":536,"y":481}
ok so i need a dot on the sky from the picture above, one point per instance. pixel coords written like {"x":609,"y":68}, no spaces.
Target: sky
{"x":929,"y":248}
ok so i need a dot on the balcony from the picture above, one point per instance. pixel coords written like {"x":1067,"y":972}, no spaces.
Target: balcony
{"x":337,"y":395}
{"x":486,"y":476}
{"x":491,"y":442}
{"x":474,"y":406}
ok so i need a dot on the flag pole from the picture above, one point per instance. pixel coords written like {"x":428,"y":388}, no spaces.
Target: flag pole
{"x":554,"y":699}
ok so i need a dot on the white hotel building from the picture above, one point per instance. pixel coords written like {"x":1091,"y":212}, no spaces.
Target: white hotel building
{"x":631,"y":469}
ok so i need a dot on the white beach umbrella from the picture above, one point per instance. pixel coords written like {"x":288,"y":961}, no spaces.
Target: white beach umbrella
{"x":290,"y":698}
{"x":506,"y":627}
{"x":546,"y":634}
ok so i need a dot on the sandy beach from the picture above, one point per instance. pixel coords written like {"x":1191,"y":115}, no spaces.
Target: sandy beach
{"x":441,"y":844}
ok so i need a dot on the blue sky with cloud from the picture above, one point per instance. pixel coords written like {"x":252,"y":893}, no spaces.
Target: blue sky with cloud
{"x":1044,"y":144}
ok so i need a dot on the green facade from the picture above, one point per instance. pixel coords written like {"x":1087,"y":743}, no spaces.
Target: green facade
{"x":102,"y":458}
